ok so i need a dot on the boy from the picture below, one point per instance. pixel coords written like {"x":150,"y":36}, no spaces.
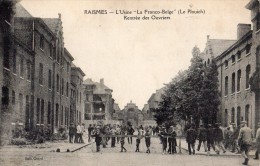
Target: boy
{"x":122,"y":141}
{"x":138,"y":140}
{"x":148,"y":139}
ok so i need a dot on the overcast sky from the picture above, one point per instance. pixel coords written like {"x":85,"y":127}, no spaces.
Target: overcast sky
{"x":137,"y":57}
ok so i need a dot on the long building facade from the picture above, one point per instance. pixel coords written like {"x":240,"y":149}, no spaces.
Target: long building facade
{"x":37,"y":78}
{"x":237,"y":62}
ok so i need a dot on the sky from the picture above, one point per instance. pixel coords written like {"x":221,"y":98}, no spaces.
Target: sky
{"x":137,"y":57}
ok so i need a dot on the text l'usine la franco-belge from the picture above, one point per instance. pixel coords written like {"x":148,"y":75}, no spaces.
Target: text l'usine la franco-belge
{"x":146,"y":14}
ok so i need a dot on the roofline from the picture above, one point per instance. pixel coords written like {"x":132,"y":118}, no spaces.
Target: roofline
{"x":79,"y":69}
{"x":68,"y":53}
{"x":251,"y":4}
{"x":234,"y":45}
{"x":44,"y":24}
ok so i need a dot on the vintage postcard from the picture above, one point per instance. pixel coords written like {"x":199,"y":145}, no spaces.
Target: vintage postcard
{"x":130,"y":82}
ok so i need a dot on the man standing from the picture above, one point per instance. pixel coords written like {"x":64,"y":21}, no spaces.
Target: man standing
{"x":245,"y":141}
{"x":210,"y":138}
{"x":257,"y":142}
{"x":202,"y":136}
{"x":90,"y":129}
{"x":130,"y":132}
{"x":77,"y":138}
{"x":191,"y":138}
{"x":219,"y":137}
{"x":71,"y":133}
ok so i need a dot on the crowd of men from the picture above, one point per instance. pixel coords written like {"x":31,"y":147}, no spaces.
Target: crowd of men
{"x":237,"y":139}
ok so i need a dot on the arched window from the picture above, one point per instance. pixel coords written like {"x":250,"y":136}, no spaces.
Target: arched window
{"x":238,"y":115}
{"x":226,"y":85}
{"x":247,"y":111}
{"x":238,"y":80}
{"x":226,"y":117}
{"x":248,"y":70}
{"x":248,"y":48}
{"x":226,"y":63}
{"x":27,"y":113}
{"x":233,"y":88}
{"x":238,"y":55}
{"x":233,"y":58}
{"x":233,"y":115}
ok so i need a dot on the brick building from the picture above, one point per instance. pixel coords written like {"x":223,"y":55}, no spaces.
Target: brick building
{"x":36,"y":76}
{"x":237,"y":60}
{"x":98,"y":102}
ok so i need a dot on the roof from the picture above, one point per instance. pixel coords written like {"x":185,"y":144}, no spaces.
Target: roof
{"x":116,"y":107}
{"x":20,"y":11}
{"x":234,"y":45}
{"x":52,"y":23}
{"x":218,"y":46}
{"x":68,"y":54}
{"x":78,"y":69}
{"x":100,"y":88}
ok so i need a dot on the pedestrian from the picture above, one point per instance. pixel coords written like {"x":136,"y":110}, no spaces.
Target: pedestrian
{"x":130,"y":132}
{"x":81,"y":133}
{"x":235,"y":146}
{"x":113,"y":138}
{"x":191,"y":138}
{"x":202,"y":136}
{"x":257,"y":142}
{"x":90,"y":129}
{"x":163,"y":136}
{"x":118,"y":130}
{"x":228,"y":138}
{"x":219,"y":137}
{"x":148,"y":134}
{"x":122,"y":141}
{"x":245,"y":141}
{"x":77,"y":131}
{"x":98,"y":138}
{"x":71,"y":133}
{"x":171,"y":140}
{"x":210,"y":138}
{"x":138,"y":140}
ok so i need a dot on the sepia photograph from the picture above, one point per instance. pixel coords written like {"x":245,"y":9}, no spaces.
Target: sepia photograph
{"x":129,"y":82}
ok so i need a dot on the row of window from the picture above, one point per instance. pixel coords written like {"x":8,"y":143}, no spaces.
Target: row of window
{"x":236,"y":116}
{"x":238,"y":55}
{"x":238,"y":78}
{"x":60,"y":59}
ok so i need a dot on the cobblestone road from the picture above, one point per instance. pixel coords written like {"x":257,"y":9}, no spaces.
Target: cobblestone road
{"x":113,"y":157}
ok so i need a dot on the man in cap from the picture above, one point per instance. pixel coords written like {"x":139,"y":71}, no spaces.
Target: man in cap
{"x":245,"y":140}
{"x":257,"y":142}
{"x":191,"y":138}
{"x":202,"y":136}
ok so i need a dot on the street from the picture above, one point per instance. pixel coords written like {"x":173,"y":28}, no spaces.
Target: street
{"x":113,"y":156}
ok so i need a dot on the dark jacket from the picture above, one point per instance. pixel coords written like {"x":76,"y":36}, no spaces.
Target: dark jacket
{"x":210,"y":135}
{"x":202,"y":134}
{"x":218,"y":134}
{"x":191,"y":136}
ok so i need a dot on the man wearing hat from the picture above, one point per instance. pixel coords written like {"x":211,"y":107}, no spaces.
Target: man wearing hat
{"x":245,"y":141}
{"x":257,"y":142}
{"x":210,"y":138}
{"x":202,"y":136}
{"x":71,"y":132}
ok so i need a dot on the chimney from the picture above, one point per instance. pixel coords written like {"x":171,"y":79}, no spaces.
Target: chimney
{"x":207,"y":37}
{"x":59,"y":15}
{"x":242,"y":29}
{"x":102,"y":81}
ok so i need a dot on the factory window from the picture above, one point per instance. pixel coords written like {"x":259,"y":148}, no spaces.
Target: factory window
{"x":248,"y":70}
{"x":226,"y":85}
{"x":233,"y":83}
{"x":238,"y":80}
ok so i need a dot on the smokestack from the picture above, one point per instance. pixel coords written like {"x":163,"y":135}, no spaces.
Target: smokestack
{"x":242,"y":29}
{"x":102,"y":81}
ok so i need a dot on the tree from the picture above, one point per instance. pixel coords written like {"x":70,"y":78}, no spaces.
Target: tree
{"x":209,"y":98}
